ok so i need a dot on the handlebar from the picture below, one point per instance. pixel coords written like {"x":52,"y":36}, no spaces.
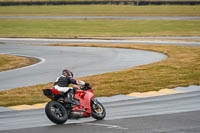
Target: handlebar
{"x":85,"y":87}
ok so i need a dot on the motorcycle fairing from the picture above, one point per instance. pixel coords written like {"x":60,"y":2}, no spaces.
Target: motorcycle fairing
{"x":52,"y":93}
{"x":85,"y":98}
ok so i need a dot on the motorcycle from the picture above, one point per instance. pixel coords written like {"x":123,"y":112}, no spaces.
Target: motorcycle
{"x":58,"y":110}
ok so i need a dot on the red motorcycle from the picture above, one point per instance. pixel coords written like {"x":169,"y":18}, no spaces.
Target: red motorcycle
{"x":59,"y":111}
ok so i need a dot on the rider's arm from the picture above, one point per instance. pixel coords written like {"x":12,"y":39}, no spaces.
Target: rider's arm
{"x":78,"y":82}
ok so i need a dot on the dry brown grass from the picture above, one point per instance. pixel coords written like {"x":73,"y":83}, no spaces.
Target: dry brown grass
{"x":8,"y":62}
{"x":182,"y":68}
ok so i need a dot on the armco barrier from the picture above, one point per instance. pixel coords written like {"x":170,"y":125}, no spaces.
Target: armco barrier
{"x":134,"y":2}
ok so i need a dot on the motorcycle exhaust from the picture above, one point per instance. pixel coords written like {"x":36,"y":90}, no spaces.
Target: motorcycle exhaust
{"x":76,"y":115}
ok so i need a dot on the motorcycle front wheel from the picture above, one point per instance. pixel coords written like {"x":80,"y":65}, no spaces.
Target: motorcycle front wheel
{"x":98,"y":111}
{"x":56,"y":112}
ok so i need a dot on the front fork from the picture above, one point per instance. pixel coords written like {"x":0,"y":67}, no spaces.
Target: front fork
{"x":94,"y":101}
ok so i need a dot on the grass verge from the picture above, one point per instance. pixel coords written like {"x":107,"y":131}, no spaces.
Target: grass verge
{"x":101,"y":10}
{"x":8,"y":62}
{"x":182,"y":68}
{"x":51,"y":28}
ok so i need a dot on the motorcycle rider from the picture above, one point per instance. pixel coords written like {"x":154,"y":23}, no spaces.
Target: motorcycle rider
{"x":62,"y":83}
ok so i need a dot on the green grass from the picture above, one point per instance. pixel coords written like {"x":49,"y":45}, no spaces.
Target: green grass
{"x":101,"y":10}
{"x":86,"y":28}
{"x":182,"y":68}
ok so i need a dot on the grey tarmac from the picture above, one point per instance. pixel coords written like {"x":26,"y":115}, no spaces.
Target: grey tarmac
{"x":141,"y":115}
{"x":83,"y":61}
{"x":187,"y":122}
{"x":106,"y":17}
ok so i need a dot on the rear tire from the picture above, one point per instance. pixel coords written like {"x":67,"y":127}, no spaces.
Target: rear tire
{"x":56,"y":112}
{"x":98,"y":111}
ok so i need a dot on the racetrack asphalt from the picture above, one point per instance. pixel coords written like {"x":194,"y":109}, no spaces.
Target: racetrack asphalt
{"x":83,"y":61}
{"x":187,"y":122}
{"x":177,"y":113}
{"x":155,"y":114}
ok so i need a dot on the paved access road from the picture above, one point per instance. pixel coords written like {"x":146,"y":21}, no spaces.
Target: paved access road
{"x":192,"y":41}
{"x":105,"y":17}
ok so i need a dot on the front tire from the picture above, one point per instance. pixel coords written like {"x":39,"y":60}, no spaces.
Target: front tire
{"x":98,"y":111}
{"x":56,"y":112}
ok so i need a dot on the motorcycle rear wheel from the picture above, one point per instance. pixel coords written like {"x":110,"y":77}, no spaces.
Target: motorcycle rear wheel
{"x":56,"y":112}
{"x":98,"y":111}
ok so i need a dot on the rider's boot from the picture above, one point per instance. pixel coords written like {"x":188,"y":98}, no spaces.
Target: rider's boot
{"x":70,"y":99}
